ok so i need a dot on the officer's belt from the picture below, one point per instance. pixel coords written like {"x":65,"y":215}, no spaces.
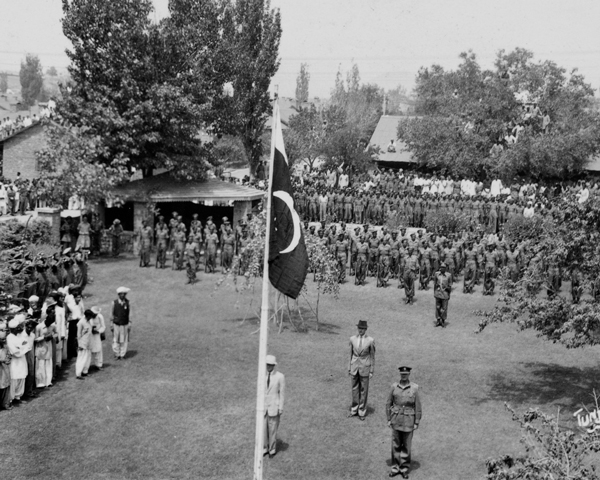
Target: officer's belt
{"x":404,"y":410}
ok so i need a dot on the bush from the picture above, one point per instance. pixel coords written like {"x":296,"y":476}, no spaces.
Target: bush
{"x":13,"y":233}
{"x":444,"y":222}
{"x":551,"y":451}
{"x":519,"y":229}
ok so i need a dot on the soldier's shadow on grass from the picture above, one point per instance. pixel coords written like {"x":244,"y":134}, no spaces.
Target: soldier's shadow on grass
{"x":538,"y":384}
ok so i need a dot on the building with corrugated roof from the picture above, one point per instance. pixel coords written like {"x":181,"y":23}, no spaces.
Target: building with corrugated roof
{"x":386,"y":131}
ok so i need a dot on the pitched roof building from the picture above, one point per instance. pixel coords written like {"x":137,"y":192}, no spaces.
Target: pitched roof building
{"x":386,"y":131}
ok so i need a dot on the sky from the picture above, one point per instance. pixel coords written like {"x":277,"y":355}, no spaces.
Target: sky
{"x":388,"y":39}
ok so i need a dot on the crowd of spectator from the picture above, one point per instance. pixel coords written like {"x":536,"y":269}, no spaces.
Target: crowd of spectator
{"x":9,"y":126}
{"x":48,"y":322}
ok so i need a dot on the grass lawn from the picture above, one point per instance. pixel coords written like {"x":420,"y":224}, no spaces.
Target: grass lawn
{"x":182,"y":404}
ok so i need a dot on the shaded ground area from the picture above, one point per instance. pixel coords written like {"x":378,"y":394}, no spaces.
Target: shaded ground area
{"x":182,"y":405}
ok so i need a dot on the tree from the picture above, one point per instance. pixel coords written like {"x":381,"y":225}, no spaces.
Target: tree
{"x":131,"y":90}
{"x":466,"y":112}
{"x":304,"y":136}
{"x":567,"y":238}
{"x":52,"y":72}
{"x":72,"y":164}
{"x":349,"y":122}
{"x":3,"y":82}
{"x":396,"y":97}
{"x":254,"y":36}
{"x":302,"y":84}
{"x":31,"y":78}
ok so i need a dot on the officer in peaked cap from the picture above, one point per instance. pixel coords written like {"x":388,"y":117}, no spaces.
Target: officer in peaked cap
{"x":403,"y":410}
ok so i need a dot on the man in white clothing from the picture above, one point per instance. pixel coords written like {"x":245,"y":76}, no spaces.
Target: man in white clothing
{"x":98,"y":328}
{"x":84,"y":334}
{"x":274,"y":396}
{"x":18,"y":347}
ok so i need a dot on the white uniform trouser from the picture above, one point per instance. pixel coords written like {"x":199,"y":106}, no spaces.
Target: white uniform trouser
{"x":17,"y":388}
{"x":43,"y":372}
{"x":97,"y":358}
{"x":82,"y":364}
{"x":120,"y":339}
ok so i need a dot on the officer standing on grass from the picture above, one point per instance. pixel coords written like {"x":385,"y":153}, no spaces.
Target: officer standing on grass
{"x":360,"y":369}
{"x":403,"y":410}
{"x":442,"y":286}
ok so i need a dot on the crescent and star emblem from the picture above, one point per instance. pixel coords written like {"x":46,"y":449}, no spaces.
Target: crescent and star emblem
{"x":287,"y":199}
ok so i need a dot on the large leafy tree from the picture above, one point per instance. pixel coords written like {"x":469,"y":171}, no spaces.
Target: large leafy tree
{"x":256,"y":38}
{"x":70,"y":166}
{"x":32,"y":79}
{"x":130,"y":89}
{"x":466,"y":112}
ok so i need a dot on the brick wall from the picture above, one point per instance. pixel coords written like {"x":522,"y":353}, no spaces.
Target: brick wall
{"x":19,"y":153}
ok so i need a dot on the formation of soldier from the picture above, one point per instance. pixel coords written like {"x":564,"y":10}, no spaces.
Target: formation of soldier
{"x":416,"y":258}
{"x":378,"y":196}
{"x":187,"y":246}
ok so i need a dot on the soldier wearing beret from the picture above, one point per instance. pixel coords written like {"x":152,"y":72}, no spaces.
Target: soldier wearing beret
{"x":360,"y":369}
{"x":403,"y":410}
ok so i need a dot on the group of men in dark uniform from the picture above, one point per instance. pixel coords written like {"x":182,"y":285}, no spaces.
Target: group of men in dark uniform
{"x":409,"y":206}
{"x":188,"y":245}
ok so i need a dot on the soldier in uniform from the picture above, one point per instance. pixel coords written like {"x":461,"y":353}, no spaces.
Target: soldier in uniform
{"x":359,"y":208}
{"x":373,"y":252}
{"x":178,"y":248}
{"x":362,"y":253}
{"x":196,"y":236}
{"x":395,"y":254}
{"x":403,"y":410}
{"x":210,"y":248}
{"x":227,"y":248}
{"x":145,"y":238}
{"x":190,"y":260}
{"x":173,"y":222}
{"x":513,"y":260}
{"x":470,"y":268}
{"x":425,"y":265}
{"x":383,"y":272}
{"x":442,"y":286}
{"x":353,"y":249}
{"x":491,"y":267}
{"x":162,"y":242}
{"x":410,"y":274}
{"x":360,"y":369}
{"x":341,"y":251}
{"x":195,"y":223}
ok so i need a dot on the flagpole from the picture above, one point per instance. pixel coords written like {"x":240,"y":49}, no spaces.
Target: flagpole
{"x":264,"y":319}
